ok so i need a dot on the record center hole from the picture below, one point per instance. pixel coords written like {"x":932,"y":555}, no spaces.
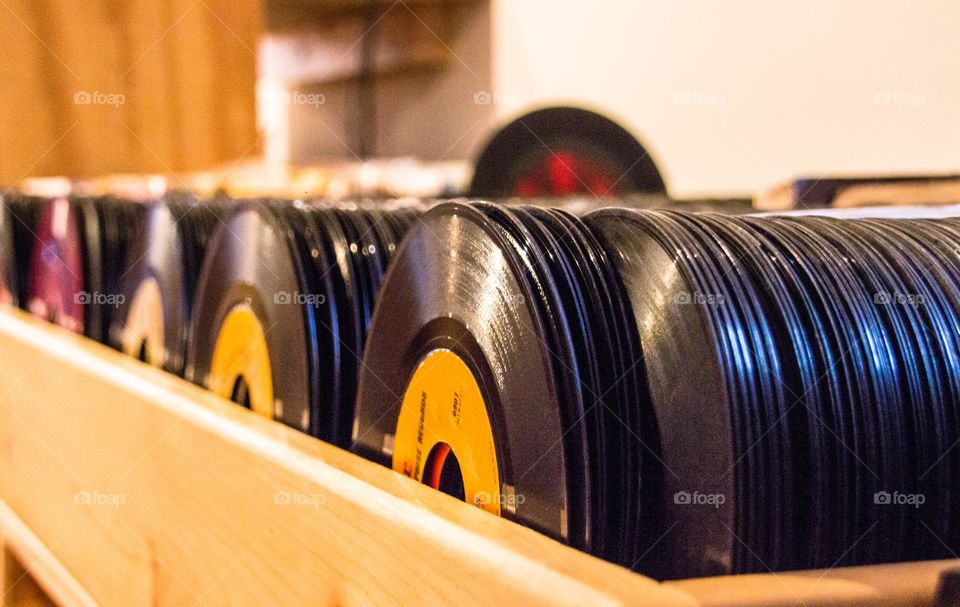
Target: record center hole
{"x":241,"y":393}
{"x":442,"y":471}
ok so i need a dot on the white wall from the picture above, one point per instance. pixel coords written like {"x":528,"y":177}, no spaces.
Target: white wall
{"x":732,"y":96}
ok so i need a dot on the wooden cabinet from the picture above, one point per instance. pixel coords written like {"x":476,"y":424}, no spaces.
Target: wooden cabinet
{"x":105,"y":86}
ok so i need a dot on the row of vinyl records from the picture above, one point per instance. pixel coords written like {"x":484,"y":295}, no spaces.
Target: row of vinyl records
{"x":681,"y":393}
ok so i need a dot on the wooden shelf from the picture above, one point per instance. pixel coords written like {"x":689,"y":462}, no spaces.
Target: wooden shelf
{"x":122,"y":485}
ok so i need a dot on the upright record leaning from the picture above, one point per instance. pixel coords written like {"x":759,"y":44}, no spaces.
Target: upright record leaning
{"x":499,"y":369}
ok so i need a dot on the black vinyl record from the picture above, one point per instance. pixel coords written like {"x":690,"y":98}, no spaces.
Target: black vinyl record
{"x":78,"y":259}
{"x":509,"y":319}
{"x":23,"y":213}
{"x":436,"y":344}
{"x":159,"y":282}
{"x":9,"y":280}
{"x":109,"y":226}
{"x":282,"y":309}
{"x":248,"y":341}
{"x":799,"y":371}
{"x":685,"y":376}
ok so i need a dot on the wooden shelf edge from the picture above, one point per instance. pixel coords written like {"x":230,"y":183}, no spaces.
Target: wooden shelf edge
{"x":892,"y":585}
{"x":23,"y":544}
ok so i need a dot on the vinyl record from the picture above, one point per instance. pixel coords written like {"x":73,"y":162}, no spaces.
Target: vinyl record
{"x":23,"y":214}
{"x":8,"y":262}
{"x":498,"y":368}
{"x":78,"y":259}
{"x":58,"y":287}
{"x":684,"y":367}
{"x":931,"y":340}
{"x":108,"y":258}
{"x":799,"y":371}
{"x":282,"y":310}
{"x":159,"y":282}
{"x":440,"y":353}
{"x":248,"y":343}
{"x":581,"y":205}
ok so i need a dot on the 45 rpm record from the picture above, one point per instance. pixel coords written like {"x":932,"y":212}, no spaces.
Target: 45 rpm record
{"x":108,"y":254}
{"x":283,"y":305}
{"x":684,"y":369}
{"x":8,"y":264}
{"x":798,"y":371}
{"x":159,"y":284}
{"x":249,"y":343}
{"x":492,"y":370}
{"x":58,"y":282}
{"x":77,"y":261}
{"x":23,"y":213}
{"x":436,"y":359}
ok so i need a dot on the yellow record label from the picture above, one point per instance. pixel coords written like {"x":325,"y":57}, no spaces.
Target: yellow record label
{"x":143,"y":331}
{"x":443,"y":409}
{"x":241,"y":353}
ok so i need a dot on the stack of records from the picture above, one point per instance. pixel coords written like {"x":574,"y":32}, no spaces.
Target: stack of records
{"x":683,"y":394}
{"x":283,"y":305}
